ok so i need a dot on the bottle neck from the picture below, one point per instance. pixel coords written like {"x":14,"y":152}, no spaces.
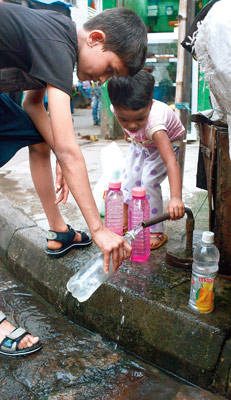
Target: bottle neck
{"x":207,"y":244}
{"x":131,"y":235}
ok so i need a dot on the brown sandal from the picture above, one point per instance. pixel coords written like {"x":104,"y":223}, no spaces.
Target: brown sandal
{"x":125,"y":229}
{"x":162,"y":239}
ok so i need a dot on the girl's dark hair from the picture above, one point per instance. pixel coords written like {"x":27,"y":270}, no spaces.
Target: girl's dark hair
{"x":131,"y":92}
{"x":126,"y":35}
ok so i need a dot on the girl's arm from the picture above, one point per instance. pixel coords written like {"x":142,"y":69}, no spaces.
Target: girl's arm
{"x":176,"y":206}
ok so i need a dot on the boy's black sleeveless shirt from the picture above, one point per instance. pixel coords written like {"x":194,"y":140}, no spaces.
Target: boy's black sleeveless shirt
{"x":36,"y":47}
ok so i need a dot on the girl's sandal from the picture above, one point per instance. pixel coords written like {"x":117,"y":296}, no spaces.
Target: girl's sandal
{"x":125,"y":229}
{"x":162,"y":239}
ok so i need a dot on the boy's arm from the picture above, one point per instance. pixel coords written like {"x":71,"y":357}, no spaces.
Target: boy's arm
{"x":33,"y":105}
{"x":176,"y":206}
{"x":61,"y":138}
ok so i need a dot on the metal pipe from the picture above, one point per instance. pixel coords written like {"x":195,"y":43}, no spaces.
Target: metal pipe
{"x":189,"y":226}
{"x":164,"y":217}
{"x":153,"y":221}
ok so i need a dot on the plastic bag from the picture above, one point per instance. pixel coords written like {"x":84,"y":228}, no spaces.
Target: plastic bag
{"x":213,"y":52}
{"x":112,"y":161}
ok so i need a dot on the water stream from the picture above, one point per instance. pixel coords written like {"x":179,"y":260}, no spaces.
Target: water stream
{"x":121,"y":321}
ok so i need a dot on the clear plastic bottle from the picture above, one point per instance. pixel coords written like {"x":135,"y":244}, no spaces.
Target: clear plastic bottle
{"x":88,"y":279}
{"x":204,"y":270}
{"x":138,"y":211}
{"x":114,"y":203}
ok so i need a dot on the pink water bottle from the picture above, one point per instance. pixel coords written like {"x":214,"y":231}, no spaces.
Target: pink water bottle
{"x":138,"y":211}
{"x":114,"y":203}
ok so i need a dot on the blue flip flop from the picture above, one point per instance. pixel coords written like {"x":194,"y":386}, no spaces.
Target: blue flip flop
{"x":67,"y":240}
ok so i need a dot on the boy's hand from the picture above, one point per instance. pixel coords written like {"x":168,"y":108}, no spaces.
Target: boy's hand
{"x":176,"y":208}
{"x":112,"y":244}
{"x":61,"y":185}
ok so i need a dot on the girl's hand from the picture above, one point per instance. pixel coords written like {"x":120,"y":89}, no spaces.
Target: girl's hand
{"x":176,"y":208}
{"x":61,"y":185}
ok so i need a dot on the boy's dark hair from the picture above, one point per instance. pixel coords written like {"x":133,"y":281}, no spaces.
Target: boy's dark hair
{"x":131,"y":92}
{"x":126,"y":35}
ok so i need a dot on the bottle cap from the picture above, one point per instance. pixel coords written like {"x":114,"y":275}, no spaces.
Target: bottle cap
{"x":114,"y":185}
{"x":208,"y":237}
{"x":138,"y":191}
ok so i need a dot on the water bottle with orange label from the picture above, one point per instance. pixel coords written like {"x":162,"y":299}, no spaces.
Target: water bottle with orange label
{"x":204,"y":270}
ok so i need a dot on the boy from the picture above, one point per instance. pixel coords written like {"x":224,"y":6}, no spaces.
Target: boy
{"x":155,"y":133}
{"x":38,"y":52}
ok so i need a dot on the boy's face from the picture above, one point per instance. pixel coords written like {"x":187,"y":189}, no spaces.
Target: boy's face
{"x":95,"y":64}
{"x":132,"y":120}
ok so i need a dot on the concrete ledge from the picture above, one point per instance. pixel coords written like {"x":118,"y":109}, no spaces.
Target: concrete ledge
{"x":11,"y":220}
{"x":143,"y":307}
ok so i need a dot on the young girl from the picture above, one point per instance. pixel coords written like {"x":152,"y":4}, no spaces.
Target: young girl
{"x":156,"y":135}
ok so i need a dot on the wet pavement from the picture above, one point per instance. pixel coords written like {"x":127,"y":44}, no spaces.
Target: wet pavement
{"x":152,"y":320}
{"x":75,"y":363}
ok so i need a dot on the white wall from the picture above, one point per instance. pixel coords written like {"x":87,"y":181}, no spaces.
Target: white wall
{"x":81,"y":12}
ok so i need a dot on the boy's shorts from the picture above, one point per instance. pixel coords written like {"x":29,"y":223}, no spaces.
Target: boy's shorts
{"x":16,"y":129}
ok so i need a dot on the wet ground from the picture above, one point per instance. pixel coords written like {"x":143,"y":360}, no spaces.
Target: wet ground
{"x":75,"y":363}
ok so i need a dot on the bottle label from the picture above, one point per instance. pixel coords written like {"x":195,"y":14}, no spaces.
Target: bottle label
{"x":202,"y":293}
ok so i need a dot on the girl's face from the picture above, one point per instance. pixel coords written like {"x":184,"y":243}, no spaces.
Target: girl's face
{"x":132,"y":120}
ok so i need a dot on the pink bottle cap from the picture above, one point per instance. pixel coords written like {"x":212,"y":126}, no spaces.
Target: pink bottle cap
{"x":114,"y":185}
{"x":138,"y":191}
